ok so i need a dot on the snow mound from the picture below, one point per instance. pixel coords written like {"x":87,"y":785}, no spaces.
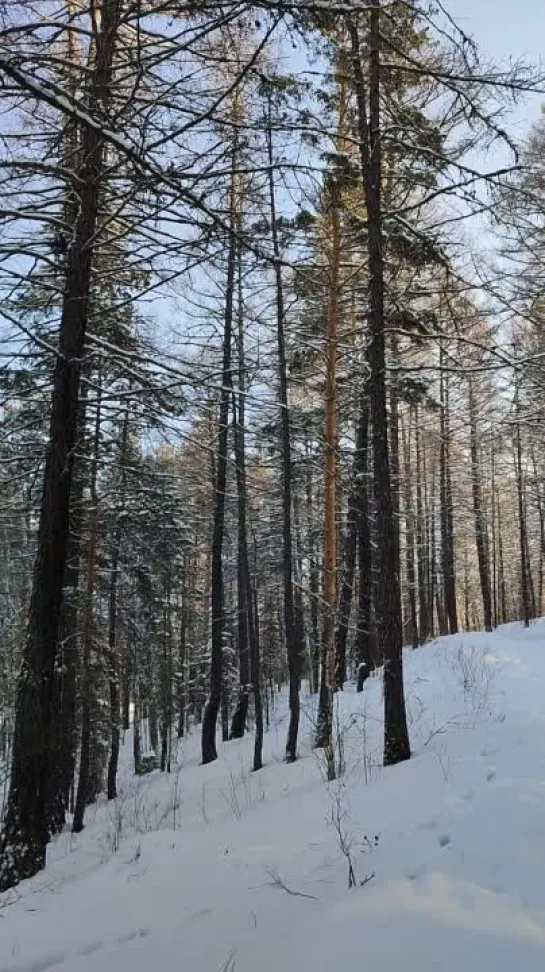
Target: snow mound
{"x":216,"y":868}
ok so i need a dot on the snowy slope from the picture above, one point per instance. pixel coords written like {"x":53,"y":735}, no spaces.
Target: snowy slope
{"x":216,"y":868}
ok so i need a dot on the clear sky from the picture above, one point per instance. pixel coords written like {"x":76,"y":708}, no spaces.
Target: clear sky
{"x":507,"y":29}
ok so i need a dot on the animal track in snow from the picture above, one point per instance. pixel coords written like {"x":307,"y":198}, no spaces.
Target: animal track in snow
{"x":40,"y":965}
{"x":130,"y":936}
{"x":91,"y":948}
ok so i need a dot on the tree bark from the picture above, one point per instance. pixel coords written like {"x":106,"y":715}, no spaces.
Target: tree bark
{"x":113,"y":662}
{"x":65,"y":731}
{"x":324,"y":731}
{"x":294,"y":644}
{"x":389,"y":624}
{"x":421,"y":539}
{"x":523,"y":542}
{"x":366,"y":649}
{"x":25,"y":833}
{"x":478,"y":511}
{"x":210,"y":718}
{"x":447,"y":534}
{"x":410,"y":537}
{"x":88,"y":632}
{"x":244,"y":605}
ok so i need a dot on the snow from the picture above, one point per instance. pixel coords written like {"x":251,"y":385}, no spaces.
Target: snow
{"x":216,"y":868}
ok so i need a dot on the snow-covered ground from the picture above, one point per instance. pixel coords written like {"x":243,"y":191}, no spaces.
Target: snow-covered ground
{"x":217,"y":868}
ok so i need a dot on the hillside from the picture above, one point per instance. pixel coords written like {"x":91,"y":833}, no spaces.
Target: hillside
{"x":216,"y":868}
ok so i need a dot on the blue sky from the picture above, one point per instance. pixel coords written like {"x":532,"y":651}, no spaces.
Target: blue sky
{"x":507,"y":29}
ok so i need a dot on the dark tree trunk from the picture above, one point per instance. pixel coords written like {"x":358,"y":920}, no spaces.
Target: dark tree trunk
{"x":447,"y":534}
{"x":210,"y":718}
{"x":410,"y":539}
{"x":504,"y":616}
{"x":113,"y":666}
{"x":25,"y":828}
{"x":324,"y":730}
{"x":25,"y":831}
{"x":541,"y":515}
{"x":481,"y":538}
{"x":395,"y":469}
{"x":313,"y":584}
{"x":246,"y":630}
{"x":523,"y":540}
{"x":366,"y":649}
{"x":294,"y":643}
{"x":350,"y":544}
{"x":182,"y":655}
{"x":388,"y":609}
{"x":255,"y":669}
{"x":84,"y":775}
{"x":244,"y":605}
{"x":421,"y":539}
{"x":65,"y":732}
{"x":493,"y":530}
{"x":434,"y":602}
{"x":136,"y":740}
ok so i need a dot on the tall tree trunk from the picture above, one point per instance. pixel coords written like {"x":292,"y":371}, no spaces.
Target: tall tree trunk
{"x":294,"y":643}
{"x":245,"y":602}
{"x":65,"y":733}
{"x":481,"y":539}
{"x":447,"y":534}
{"x":541,"y":515}
{"x":88,"y":633}
{"x":244,"y":605}
{"x":64,"y":730}
{"x":432,"y":559}
{"x":313,"y":581}
{"x":25,"y":831}
{"x":324,"y":731}
{"x":183,"y":661}
{"x":113,"y":662}
{"x":410,"y":537}
{"x":395,"y":467}
{"x":350,"y":544}
{"x":366,"y":649}
{"x":255,"y":669}
{"x":493,"y":530}
{"x":210,"y":718}
{"x":523,"y":543}
{"x":504,"y":616}
{"x":421,"y":538}
{"x":389,"y":624}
